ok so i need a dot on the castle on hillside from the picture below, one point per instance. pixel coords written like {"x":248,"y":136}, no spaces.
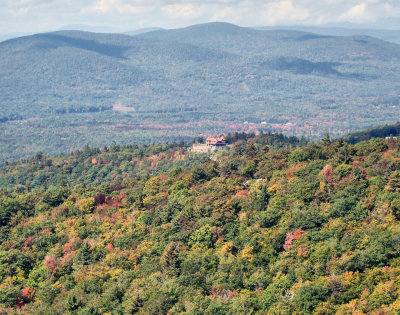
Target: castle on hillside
{"x":216,"y":142}
{"x":212,"y":144}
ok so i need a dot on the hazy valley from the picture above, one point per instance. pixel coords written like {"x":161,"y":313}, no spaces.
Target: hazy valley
{"x":62,"y":90}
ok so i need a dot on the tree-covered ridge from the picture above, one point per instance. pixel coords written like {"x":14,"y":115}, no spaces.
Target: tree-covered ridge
{"x":94,"y":166}
{"x":377,"y":132}
{"x":313,"y":229}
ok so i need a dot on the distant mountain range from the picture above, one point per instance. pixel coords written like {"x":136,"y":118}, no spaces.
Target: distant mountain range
{"x":388,"y":35}
{"x":62,"y":90}
{"x":86,"y":28}
{"x":387,"y":23}
{"x":388,"y":29}
{"x":143,"y":31}
{"x":91,"y":28}
{"x":4,"y":37}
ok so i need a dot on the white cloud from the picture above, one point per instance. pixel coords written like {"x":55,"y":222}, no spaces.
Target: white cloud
{"x":117,"y":6}
{"x":183,"y":11}
{"x":284,"y":12}
{"x":104,"y":6}
{"x":21,"y":12}
{"x":357,"y":13}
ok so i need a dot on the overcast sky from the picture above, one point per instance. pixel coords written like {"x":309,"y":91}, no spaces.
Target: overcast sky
{"x":43,"y":15}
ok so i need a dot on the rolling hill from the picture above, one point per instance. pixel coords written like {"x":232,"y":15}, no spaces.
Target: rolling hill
{"x":62,"y":90}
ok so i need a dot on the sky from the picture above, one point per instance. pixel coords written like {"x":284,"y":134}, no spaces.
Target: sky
{"x":28,"y":16}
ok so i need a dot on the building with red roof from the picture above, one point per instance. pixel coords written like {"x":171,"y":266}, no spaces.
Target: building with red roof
{"x":216,"y":142}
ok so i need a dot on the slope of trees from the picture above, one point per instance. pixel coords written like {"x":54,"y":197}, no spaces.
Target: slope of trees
{"x":377,"y":132}
{"x":251,"y":230}
{"x":94,"y":166}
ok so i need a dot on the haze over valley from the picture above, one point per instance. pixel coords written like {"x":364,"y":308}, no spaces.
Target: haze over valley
{"x":62,"y":90}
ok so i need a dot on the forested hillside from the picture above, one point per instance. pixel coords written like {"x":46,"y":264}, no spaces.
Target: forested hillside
{"x":376,"y":132}
{"x":97,"y":166}
{"x":63,"y":90}
{"x":259,"y":228}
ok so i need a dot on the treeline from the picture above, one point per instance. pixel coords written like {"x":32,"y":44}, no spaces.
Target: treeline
{"x":10,"y":118}
{"x":95,"y":166}
{"x":376,"y":132}
{"x":171,"y":110}
{"x":82,"y":109}
{"x":275,"y":140}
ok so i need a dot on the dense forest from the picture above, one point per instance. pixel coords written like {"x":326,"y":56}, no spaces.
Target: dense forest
{"x":63,"y":90}
{"x":271,"y":225}
{"x":95,"y":166}
{"x":376,"y":132}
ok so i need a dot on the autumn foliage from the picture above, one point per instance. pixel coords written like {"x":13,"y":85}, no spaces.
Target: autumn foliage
{"x":292,"y":236}
{"x":306,"y":230}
